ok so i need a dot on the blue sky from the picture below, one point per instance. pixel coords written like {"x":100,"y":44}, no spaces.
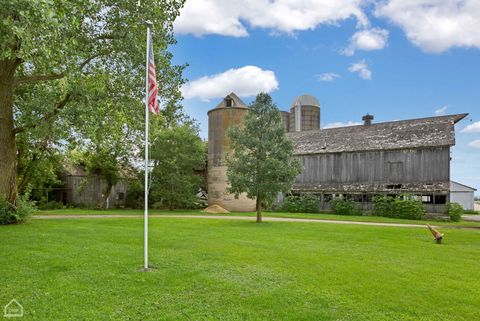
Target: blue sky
{"x":394,"y":59}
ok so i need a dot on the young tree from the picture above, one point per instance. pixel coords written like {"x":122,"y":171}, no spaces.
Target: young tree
{"x":262,"y":163}
{"x":56,"y":55}
{"x":178,"y":152}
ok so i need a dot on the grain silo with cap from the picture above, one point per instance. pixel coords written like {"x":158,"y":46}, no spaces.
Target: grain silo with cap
{"x":229,"y":112}
{"x":304,"y":114}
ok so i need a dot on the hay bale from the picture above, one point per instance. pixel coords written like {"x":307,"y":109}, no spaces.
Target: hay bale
{"x":215,"y":209}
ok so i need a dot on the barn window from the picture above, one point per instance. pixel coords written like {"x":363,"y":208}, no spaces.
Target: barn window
{"x":228,"y":102}
{"x":440,"y":199}
{"x":427,"y":199}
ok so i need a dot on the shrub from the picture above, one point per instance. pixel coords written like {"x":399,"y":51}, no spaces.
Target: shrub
{"x":342,"y":206}
{"x":52,"y":205}
{"x":306,"y":203}
{"x":454,"y":211}
{"x":404,"y":206}
{"x":19,"y":213}
{"x":309,"y":203}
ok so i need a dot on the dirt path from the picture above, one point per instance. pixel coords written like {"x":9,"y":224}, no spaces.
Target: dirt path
{"x":244,"y":218}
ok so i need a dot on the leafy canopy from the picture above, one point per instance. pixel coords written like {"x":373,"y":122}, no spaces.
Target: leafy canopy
{"x":79,"y":78}
{"x":262,"y":163}
{"x":178,"y":153}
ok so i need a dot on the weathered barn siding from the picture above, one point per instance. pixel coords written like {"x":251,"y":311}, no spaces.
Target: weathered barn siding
{"x":426,"y":169}
{"x":89,"y":191}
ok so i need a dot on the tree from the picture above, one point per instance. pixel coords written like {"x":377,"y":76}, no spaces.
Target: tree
{"x":61,"y":59}
{"x":262,"y":163}
{"x":178,"y":152}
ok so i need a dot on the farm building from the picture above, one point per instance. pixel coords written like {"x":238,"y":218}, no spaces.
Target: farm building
{"x":463,"y":195}
{"x":78,"y":188}
{"x":355,"y":162}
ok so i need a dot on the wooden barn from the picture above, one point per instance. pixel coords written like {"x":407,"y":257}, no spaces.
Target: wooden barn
{"x":79,"y":189}
{"x":392,"y":158}
{"x":355,"y":162}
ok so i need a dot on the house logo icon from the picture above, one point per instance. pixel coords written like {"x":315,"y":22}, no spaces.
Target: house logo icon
{"x":13,"y":310}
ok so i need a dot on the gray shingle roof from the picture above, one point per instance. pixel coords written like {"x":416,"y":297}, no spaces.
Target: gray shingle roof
{"x":412,"y":133}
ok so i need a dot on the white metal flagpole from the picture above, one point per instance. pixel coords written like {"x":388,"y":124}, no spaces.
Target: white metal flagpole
{"x":147,"y":112}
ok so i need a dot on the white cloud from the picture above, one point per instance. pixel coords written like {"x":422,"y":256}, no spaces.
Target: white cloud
{"x":361,"y":68}
{"x":328,"y":76}
{"x":435,"y":25}
{"x":245,"y":82}
{"x":369,"y":39}
{"x":231,"y":18}
{"x":441,"y":111}
{"x":475,"y":144}
{"x":472,"y":128}
{"x":340,"y":124}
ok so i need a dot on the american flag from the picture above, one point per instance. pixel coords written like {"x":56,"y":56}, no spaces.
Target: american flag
{"x":152,"y":81}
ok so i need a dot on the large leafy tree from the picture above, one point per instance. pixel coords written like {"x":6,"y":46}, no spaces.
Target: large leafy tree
{"x":178,"y":153}
{"x":262,"y":163}
{"x":64,"y":65}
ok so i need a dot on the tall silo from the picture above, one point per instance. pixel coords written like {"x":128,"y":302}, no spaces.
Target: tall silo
{"x":229,"y":112}
{"x":305,"y":114}
{"x":285,"y":120}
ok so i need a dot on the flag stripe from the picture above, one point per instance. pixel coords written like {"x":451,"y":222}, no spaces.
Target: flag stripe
{"x":152,"y":81}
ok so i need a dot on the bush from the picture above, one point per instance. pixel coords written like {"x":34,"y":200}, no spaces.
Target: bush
{"x":454,"y":211}
{"x":306,"y":203}
{"x":342,"y":206}
{"x":404,"y":206}
{"x":52,"y":205}
{"x":19,"y":213}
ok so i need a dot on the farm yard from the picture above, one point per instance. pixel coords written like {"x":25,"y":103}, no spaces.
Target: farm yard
{"x":209,"y":269}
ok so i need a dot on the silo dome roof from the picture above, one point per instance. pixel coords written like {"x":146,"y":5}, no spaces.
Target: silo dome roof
{"x":305,"y":100}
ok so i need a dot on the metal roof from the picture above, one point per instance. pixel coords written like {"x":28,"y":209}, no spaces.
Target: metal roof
{"x":237,"y":102}
{"x":404,"y":134}
{"x":457,"y":187}
{"x":306,"y":100}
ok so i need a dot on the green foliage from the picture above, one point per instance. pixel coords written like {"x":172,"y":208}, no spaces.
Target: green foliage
{"x":178,"y":153}
{"x":18,"y":213}
{"x":51,"y":205}
{"x":135,"y":197}
{"x":262,"y":163}
{"x":305,"y":203}
{"x":78,"y":71}
{"x":343,"y":206}
{"x":403,"y":206}
{"x":454,"y":211}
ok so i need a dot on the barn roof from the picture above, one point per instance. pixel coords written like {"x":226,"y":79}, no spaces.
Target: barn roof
{"x":411,"y":133}
{"x":236,"y":101}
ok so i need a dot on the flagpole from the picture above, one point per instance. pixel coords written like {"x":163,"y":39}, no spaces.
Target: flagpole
{"x":145,"y":228}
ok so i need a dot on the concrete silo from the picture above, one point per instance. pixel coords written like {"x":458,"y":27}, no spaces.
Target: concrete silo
{"x":304,"y":114}
{"x":229,"y":112}
{"x":285,"y":120}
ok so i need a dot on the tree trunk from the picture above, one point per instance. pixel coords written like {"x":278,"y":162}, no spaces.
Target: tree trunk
{"x":259,"y":210}
{"x":8,"y":161}
{"x":103,"y":201}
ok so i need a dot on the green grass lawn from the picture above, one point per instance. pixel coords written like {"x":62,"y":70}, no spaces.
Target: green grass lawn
{"x":86,"y":269}
{"x":323,"y":216}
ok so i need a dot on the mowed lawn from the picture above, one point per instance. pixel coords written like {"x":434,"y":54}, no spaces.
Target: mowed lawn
{"x":86,"y":269}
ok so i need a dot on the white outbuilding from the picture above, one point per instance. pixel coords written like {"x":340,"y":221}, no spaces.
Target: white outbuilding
{"x":462,"y":194}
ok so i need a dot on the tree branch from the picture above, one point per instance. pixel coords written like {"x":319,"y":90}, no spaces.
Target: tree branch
{"x":59,"y":106}
{"x":35,"y":78}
